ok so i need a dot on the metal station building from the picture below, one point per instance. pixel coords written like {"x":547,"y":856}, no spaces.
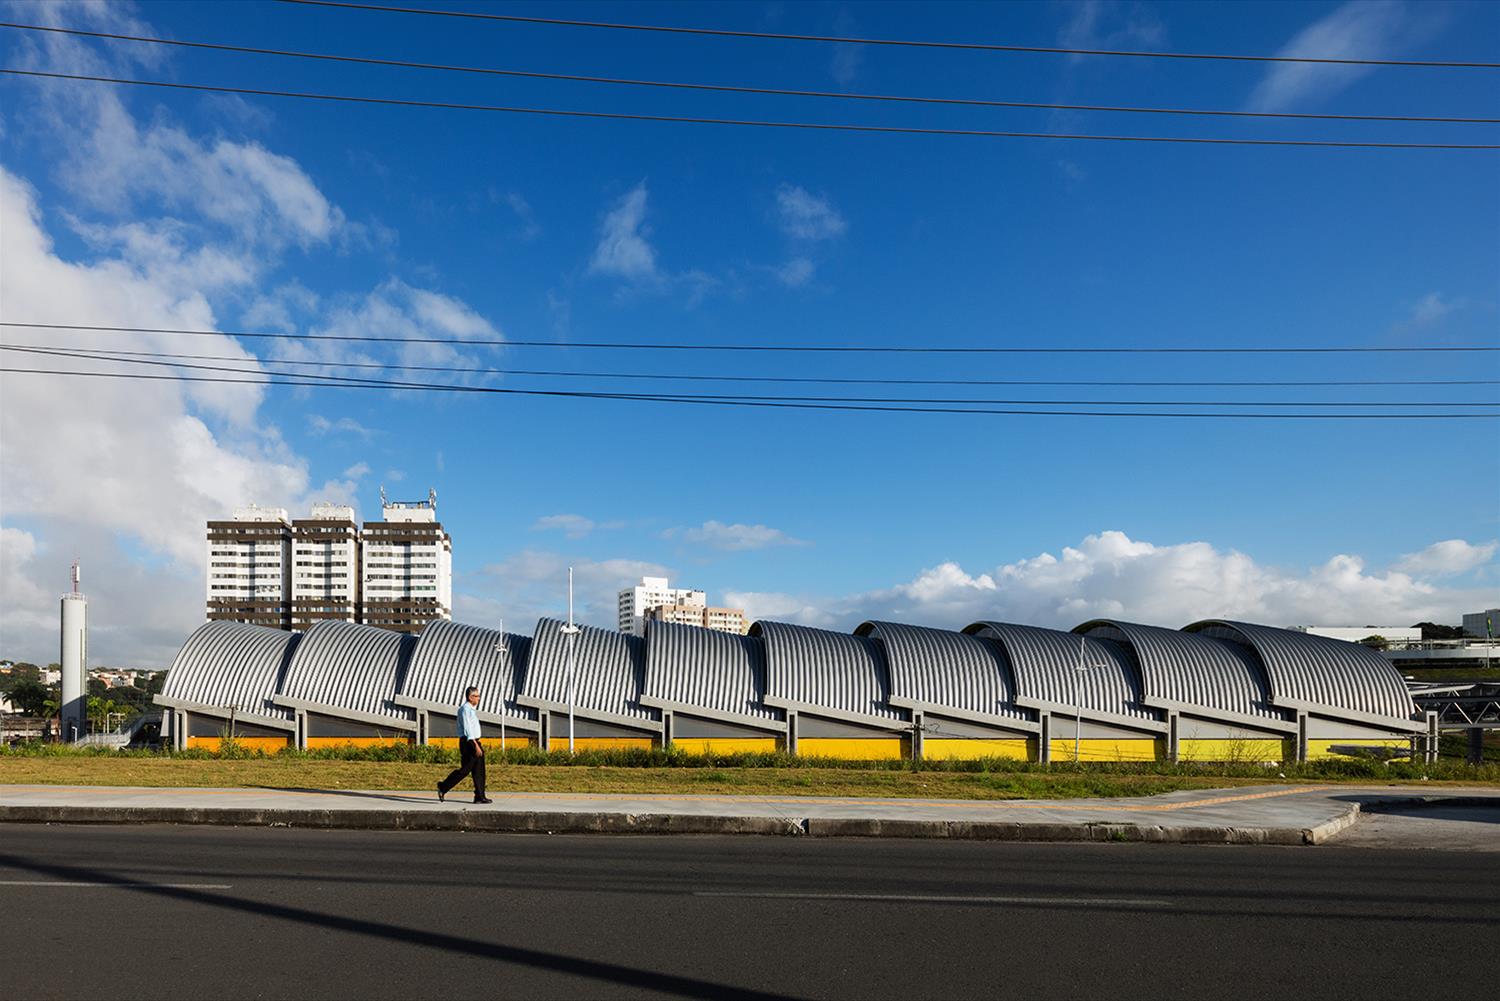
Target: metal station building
{"x":1215,"y":690}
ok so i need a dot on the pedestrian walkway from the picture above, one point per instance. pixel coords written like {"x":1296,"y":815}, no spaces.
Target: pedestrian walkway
{"x":1282,"y":814}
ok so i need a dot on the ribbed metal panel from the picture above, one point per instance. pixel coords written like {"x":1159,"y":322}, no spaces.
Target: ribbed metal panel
{"x":693,"y":666}
{"x":610,"y":668}
{"x":342,"y":665}
{"x":1188,"y":669}
{"x":1045,"y":662}
{"x":1324,"y":675}
{"x":836,"y":671}
{"x":450,"y":657}
{"x":232,"y":664}
{"x":940,"y":668}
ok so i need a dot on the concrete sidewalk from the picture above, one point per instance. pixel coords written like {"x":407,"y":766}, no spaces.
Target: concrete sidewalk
{"x":1283,"y":815}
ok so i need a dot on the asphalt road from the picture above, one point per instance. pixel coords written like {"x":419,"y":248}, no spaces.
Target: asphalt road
{"x":193,"y":912}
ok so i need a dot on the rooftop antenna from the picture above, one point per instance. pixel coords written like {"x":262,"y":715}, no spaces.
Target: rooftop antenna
{"x":77,"y":575}
{"x":432,"y":498}
{"x":571,"y":632}
{"x":382,"y":495}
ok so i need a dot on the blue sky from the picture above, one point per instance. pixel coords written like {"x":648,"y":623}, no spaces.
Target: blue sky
{"x":158,"y":208}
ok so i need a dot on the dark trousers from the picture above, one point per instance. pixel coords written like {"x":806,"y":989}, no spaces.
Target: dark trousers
{"x":471,"y":762}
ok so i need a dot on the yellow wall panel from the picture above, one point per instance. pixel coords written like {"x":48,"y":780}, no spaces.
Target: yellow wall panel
{"x":314,"y":742}
{"x":1105,"y":749}
{"x":1256,"y":749}
{"x":1320,"y":748}
{"x":726,"y":745}
{"x":560,"y":742}
{"x":269,"y":745}
{"x":512,"y":740}
{"x":938,"y":748}
{"x":854,"y":748}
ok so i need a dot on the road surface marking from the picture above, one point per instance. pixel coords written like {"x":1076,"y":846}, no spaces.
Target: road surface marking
{"x":925,"y":898}
{"x":69,"y":884}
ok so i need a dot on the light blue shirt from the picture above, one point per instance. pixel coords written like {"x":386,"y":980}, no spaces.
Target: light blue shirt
{"x":468,"y":721}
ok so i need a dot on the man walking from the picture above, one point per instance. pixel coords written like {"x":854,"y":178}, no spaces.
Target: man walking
{"x":470,"y":750}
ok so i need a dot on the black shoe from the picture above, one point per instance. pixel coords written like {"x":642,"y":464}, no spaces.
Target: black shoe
{"x":441,"y":792}
{"x":482,"y":799}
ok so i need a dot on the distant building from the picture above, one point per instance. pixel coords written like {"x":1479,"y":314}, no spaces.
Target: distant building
{"x":325,"y":570}
{"x":650,"y":593}
{"x":1479,"y":624}
{"x":724,"y":620}
{"x":407,"y":575}
{"x":1353,"y":634}
{"x":249,"y":567}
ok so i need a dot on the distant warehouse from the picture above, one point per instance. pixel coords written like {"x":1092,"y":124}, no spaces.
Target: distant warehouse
{"x":1107,"y":690}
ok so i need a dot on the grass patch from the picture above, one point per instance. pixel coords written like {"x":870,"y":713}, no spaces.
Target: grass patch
{"x":669,"y":771}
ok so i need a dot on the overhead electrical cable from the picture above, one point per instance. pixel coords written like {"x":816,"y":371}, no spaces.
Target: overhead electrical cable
{"x":92,"y":355}
{"x":796,"y":348}
{"x":826,"y":380}
{"x":733,"y":89}
{"x":738,"y":122}
{"x":747,"y":402}
{"x":901,"y":42}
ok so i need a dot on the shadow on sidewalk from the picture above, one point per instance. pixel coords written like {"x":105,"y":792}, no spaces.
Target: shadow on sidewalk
{"x":355,"y":793}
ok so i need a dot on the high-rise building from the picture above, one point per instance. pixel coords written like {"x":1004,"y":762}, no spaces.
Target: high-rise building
{"x":648,"y":594}
{"x":406,"y":579}
{"x":325,"y":566}
{"x":724,"y":620}
{"x":249,"y":567}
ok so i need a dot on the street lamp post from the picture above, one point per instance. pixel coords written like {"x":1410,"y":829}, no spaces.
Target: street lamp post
{"x":571,"y":631}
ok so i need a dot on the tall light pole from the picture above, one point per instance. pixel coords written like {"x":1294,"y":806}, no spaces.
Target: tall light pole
{"x":570,"y":631}
{"x":503,"y":650}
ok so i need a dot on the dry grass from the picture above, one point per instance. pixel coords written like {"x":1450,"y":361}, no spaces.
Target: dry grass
{"x":302,"y":773}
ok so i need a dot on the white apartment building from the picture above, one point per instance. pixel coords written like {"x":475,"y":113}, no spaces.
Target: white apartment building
{"x":650,"y":593}
{"x":249,"y":567}
{"x":406,"y":579}
{"x":325,"y":566}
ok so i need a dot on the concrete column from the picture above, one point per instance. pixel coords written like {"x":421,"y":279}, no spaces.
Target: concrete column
{"x":1044,"y":739}
{"x":1476,"y":745}
{"x":1174,"y":731}
{"x":666,"y":728}
{"x":791,"y":731}
{"x":917,"y":739}
{"x":301,"y":719}
{"x":1431,"y":754}
{"x":421,"y":726}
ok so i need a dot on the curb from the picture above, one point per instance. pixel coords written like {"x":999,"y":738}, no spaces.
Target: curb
{"x":673,"y":823}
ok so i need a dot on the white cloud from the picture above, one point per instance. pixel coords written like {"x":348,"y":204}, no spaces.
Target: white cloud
{"x":796,"y":272}
{"x":1112,"y":575}
{"x":358,"y":471}
{"x":732,"y":538}
{"x":844,"y":67}
{"x":623,"y":250}
{"x":1431,"y":308}
{"x":1360,"y":29}
{"x":1096,"y":24}
{"x":320,"y":425}
{"x":805,"y":216}
{"x":530,"y":230}
{"x":1447,"y":558}
{"x":574,"y":526}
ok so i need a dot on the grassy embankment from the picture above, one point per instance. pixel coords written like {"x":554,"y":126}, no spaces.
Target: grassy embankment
{"x":667,"y":772}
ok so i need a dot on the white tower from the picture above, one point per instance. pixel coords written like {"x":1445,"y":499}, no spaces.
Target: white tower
{"x":73,"y":658}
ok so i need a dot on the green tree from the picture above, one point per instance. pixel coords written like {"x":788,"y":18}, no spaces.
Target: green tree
{"x":31,"y":697}
{"x":1376,"y":642}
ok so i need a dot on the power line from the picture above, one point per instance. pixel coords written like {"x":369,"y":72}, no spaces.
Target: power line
{"x":748,"y":402}
{"x":814,"y":348}
{"x":824,"y":380}
{"x":730,"y":89}
{"x":90,"y":355}
{"x":902,"y":42}
{"x":740,"y":122}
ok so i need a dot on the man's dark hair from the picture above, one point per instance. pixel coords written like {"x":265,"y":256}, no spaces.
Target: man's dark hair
{"x":470,"y":690}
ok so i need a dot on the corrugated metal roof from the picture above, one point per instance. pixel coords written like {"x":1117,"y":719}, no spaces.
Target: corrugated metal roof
{"x":1186,"y":670}
{"x":450,"y":657}
{"x":1045,"y":662}
{"x":817,"y":668}
{"x":689,"y":666}
{"x":226,"y":664}
{"x":345,"y":666}
{"x":609,"y":670}
{"x":1327,"y":676}
{"x":939,"y":668}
